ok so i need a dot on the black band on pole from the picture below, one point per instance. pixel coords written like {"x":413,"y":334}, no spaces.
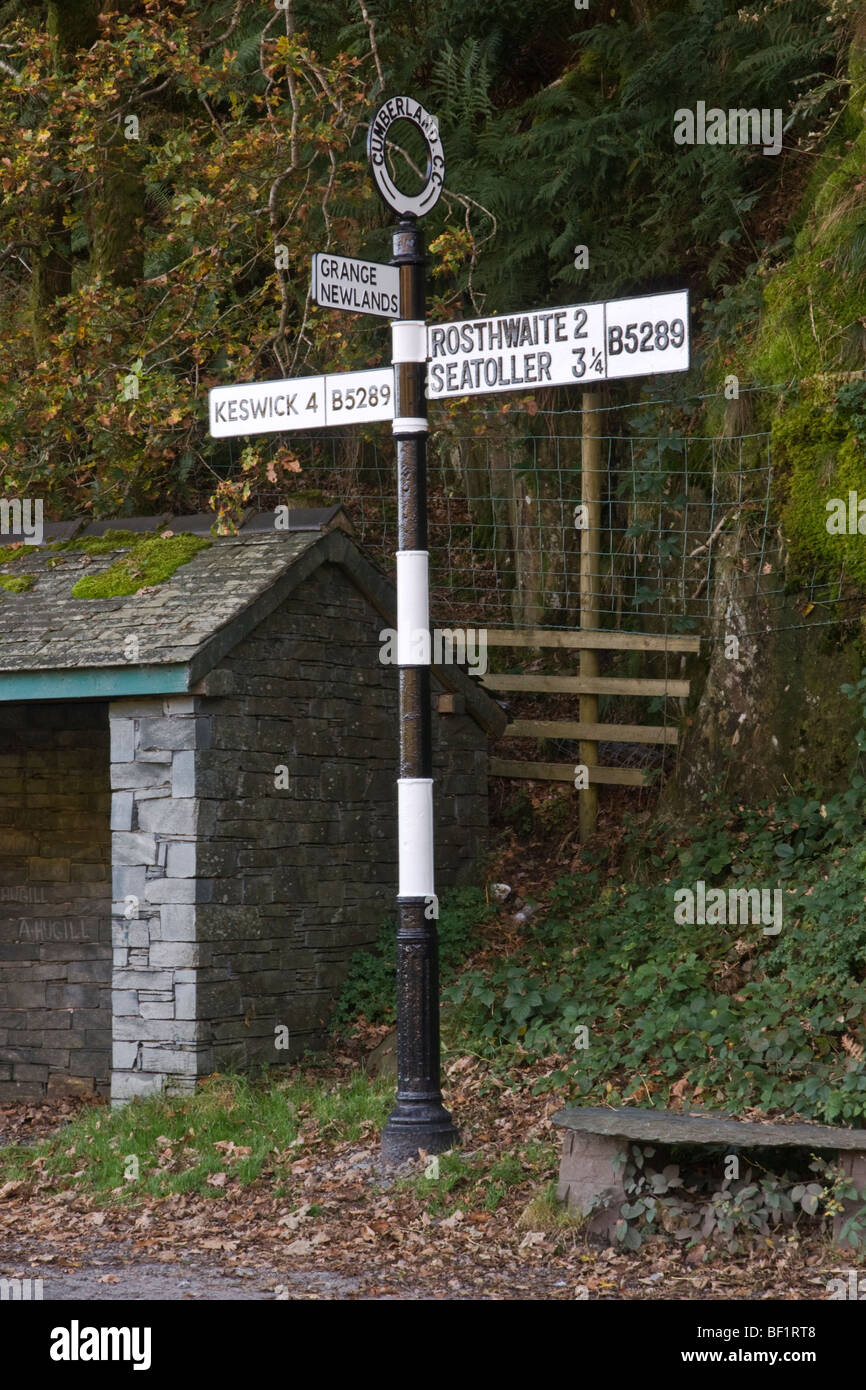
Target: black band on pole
{"x":416,"y":754}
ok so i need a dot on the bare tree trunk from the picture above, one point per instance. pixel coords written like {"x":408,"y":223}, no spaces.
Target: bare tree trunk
{"x":117,"y":212}
{"x":72,"y":24}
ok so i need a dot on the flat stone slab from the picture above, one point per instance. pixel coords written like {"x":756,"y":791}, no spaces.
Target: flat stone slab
{"x":665,"y":1127}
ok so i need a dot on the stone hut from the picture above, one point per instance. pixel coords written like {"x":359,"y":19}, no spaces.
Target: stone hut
{"x":198,"y":798}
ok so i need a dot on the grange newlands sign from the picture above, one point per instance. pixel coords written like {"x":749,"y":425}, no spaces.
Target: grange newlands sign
{"x":357,"y":287}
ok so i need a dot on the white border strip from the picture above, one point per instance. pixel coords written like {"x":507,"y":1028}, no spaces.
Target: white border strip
{"x":413,"y":608}
{"x":415,"y":836}
{"x":408,"y":341}
{"x":409,"y":424}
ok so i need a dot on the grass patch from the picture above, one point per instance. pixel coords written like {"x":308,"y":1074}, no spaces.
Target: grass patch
{"x":545,"y":1212}
{"x":454,"y":1180}
{"x":152,"y":560}
{"x":447,"y":1178}
{"x":236,"y":1126}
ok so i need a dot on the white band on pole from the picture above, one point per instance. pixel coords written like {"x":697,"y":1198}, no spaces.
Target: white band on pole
{"x":413,"y":610}
{"x":409,"y":424}
{"x":415,"y":836}
{"x":408,"y":341}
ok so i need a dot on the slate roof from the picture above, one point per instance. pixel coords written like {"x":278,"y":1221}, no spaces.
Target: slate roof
{"x":192,"y":619}
{"x":47,"y":629}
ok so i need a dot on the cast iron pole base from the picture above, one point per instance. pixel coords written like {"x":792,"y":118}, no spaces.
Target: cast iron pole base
{"x":417,"y":1125}
{"x":419,"y":1120}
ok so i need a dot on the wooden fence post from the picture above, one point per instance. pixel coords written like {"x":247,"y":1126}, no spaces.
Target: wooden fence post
{"x":590,"y":544}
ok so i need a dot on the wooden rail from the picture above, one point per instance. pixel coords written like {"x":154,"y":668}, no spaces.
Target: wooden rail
{"x":564,"y":772}
{"x":601,"y":641}
{"x":610,"y":733}
{"x":587,"y":685}
{"x":587,"y":640}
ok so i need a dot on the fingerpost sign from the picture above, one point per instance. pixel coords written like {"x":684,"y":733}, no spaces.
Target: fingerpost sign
{"x":419,"y":1119}
{"x":572,"y":345}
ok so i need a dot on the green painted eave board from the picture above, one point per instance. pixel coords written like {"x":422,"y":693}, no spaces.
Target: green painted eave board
{"x":98,"y":682}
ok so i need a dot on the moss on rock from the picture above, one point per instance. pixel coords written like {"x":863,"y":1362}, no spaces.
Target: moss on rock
{"x":812,"y":336}
{"x":103,"y":545}
{"x":9,"y":554}
{"x":152,"y":560}
{"x":814,"y":303}
{"x":820,"y":445}
{"x":17,"y":584}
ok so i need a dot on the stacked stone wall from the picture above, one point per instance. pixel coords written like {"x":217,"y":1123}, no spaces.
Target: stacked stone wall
{"x":55,"y":900}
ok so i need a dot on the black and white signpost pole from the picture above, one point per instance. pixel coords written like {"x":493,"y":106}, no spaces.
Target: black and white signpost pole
{"x":574,"y":344}
{"x":419,"y":1120}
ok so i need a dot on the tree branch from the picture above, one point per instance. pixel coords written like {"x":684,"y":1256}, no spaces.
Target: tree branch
{"x":712,"y":536}
{"x":235,"y":20}
{"x":373,"y":48}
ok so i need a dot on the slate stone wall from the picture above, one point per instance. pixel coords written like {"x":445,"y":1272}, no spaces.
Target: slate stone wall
{"x":160,"y":833}
{"x":55,"y":900}
{"x":306,"y":858}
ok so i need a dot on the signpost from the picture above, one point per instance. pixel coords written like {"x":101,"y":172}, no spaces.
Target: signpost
{"x":580,"y":344}
{"x":419,"y":1119}
{"x":302,"y":403}
{"x":357,"y":287}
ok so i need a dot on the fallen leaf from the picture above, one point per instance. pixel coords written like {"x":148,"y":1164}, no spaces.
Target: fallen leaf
{"x":231,"y":1150}
{"x":532,"y":1238}
{"x":293,"y":1219}
{"x":304,"y":1247}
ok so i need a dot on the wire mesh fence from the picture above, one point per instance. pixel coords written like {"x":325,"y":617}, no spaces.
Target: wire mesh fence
{"x":507,"y":525}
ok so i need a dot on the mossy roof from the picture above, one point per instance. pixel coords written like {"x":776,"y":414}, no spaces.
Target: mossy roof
{"x":54,"y":645}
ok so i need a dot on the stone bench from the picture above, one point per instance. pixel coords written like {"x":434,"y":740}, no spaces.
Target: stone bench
{"x":593,"y":1135}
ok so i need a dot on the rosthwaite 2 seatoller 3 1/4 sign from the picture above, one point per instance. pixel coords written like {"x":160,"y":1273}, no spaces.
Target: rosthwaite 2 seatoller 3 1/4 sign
{"x":576,"y":345}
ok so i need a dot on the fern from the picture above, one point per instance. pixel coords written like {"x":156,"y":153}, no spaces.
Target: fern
{"x":460,"y":86}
